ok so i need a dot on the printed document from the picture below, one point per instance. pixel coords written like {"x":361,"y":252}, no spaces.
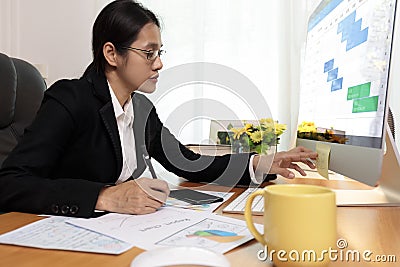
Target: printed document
{"x":171,"y":227}
{"x":54,"y":233}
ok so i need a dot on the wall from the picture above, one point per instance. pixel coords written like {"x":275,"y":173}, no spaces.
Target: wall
{"x":54,"y":33}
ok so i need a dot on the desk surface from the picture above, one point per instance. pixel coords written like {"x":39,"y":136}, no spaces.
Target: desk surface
{"x":364,"y":228}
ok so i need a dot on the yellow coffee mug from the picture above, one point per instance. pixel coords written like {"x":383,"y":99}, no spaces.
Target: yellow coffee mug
{"x":299,"y":224}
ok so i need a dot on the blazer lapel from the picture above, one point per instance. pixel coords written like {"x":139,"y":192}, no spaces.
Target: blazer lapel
{"x":108,"y":117}
{"x":100,"y":89}
{"x":139,"y":130}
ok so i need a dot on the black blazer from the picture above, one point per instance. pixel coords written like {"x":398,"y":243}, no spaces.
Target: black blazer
{"x":73,"y":149}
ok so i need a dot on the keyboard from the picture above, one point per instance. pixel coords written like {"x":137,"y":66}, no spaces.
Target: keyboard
{"x":239,"y":203}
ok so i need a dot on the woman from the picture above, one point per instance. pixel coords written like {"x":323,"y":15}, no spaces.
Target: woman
{"x":84,"y":149}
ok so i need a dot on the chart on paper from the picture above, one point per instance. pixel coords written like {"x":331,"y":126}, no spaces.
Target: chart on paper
{"x":172,"y":227}
{"x":207,"y":233}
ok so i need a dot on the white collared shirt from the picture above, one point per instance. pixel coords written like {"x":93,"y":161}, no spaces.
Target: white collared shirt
{"x":124,"y":119}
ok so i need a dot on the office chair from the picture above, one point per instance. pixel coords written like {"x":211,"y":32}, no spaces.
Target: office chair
{"x":21,"y":92}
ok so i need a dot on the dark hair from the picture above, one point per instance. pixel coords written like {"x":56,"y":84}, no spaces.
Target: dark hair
{"x":119,"y":23}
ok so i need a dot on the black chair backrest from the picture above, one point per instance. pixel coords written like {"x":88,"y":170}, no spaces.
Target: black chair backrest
{"x":21,"y":92}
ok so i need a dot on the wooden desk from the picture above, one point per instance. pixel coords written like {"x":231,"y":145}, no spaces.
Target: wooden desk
{"x":364,"y":228}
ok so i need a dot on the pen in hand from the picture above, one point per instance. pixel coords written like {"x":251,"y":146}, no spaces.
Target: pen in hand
{"x":147,"y":160}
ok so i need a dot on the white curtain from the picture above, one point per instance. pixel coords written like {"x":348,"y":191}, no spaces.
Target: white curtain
{"x":260,"y":39}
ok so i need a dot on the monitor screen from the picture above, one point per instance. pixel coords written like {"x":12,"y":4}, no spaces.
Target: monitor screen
{"x":344,"y":83}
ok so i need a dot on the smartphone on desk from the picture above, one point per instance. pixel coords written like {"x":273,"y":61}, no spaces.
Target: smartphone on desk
{"x":194,"y":197}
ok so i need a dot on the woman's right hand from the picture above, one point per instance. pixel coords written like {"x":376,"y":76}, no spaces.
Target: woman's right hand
{"x":139,"y":196}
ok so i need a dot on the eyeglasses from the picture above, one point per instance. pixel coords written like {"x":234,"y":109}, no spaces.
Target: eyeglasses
{"x":150,"y":54}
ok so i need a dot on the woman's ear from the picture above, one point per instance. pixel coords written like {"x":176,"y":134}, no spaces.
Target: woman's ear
{"x":110,"y":54}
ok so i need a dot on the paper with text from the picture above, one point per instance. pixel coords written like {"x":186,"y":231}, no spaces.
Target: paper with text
{"x":55,"y":233}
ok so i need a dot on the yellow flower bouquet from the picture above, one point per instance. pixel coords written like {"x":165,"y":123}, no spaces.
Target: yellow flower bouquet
{"x":258,"y":137}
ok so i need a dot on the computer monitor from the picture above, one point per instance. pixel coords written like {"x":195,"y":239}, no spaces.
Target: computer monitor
{"x":345,"y":84}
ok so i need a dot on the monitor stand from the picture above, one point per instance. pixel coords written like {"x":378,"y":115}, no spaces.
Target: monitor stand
{"x":387,"y":192}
